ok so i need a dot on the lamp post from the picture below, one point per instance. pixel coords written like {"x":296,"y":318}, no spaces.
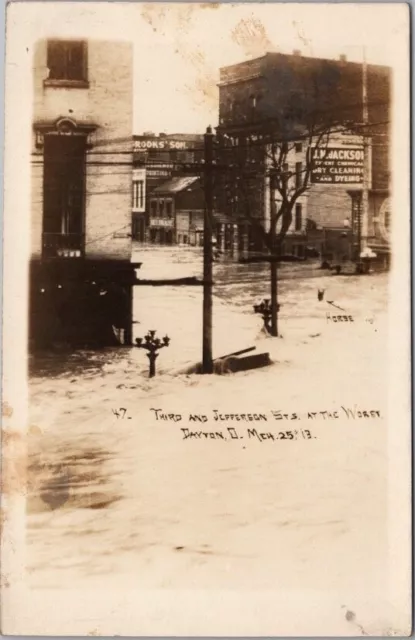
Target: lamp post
{"x":265,"y":310}
{"x":152,"y":346}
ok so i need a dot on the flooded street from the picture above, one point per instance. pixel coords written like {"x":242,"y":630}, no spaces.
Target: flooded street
{"x":120,"y":497}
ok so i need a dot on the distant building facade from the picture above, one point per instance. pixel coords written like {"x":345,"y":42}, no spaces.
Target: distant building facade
{"x":156,"y":159}
{"x":81,"y":191}
{"x":278,"y":93}
{"x":177,"y":212}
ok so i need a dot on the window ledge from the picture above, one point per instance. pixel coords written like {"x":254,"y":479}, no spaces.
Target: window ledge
{"x":71,"y":84}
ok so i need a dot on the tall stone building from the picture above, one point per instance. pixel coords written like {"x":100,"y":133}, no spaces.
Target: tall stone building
{"x":285,"y":98}
{"x":81,"y":271}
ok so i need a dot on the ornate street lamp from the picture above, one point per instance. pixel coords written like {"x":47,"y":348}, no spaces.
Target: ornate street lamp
{"x":152,"y":346}
{"x":265,"y":310}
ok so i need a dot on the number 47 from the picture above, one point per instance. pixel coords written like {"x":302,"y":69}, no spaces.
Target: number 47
{"x":119,"y":412}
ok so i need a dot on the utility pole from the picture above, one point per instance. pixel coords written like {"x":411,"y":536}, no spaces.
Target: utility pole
{"x":366,"y":162}
{"x":359,"y":210}
{"x":207,"y":363}
{"x":273,"y":263}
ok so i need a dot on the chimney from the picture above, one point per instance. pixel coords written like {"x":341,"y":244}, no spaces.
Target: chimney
{"x":343,"y":58}
{"x":296,"y":52}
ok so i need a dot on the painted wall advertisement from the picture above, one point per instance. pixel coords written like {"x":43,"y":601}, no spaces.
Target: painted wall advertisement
{"x":337,"y":165}
{"x":163,"y":144}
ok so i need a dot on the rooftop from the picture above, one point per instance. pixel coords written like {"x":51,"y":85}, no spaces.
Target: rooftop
{"x":175,"y":185}
{"x":256,"y":66}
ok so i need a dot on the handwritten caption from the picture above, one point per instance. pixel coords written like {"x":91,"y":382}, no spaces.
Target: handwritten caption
{"x":338,"y":318}
{"x":258,"y":432}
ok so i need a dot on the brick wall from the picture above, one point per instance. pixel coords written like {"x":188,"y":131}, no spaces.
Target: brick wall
{"x":108,"y":104}
{"x":328,"y":205}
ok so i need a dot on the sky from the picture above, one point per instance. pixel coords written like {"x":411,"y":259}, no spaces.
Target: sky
{"x":179,"y":47}
{"x":186,"y":45}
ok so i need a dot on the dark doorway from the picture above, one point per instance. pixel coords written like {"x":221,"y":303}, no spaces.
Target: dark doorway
{"x":64,"y":189}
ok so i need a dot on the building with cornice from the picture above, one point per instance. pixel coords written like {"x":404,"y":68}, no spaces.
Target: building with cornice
{"x":81,"y":272}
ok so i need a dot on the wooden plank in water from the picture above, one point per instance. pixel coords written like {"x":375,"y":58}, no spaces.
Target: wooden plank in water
{"x":236,"y":353}
{"x":235,"y":364}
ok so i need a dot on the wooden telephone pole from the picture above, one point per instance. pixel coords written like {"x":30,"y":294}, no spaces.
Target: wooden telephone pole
{"x":207,"y":362}
{"x":273,"y":263}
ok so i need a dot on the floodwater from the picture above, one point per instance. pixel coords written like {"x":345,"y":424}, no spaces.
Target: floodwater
{"x":237,"y":287}
{"x":116,"y":497}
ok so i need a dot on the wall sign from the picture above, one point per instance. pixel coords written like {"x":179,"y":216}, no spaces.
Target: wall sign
{"x":164,"y":144}
{"x":337,"y":165}
{"x":161,"y":222}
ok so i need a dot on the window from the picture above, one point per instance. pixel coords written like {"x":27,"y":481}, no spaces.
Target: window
{"x":298,"y":175}
{"x":285,"y":173}
{"x":153,"y":208}
{"x":298,"y":147}
{"x":63,"y":190}
{"x":298,"y":217}
{"x":190,"y":218}
{"x":169,"y":208}
{"x":161,"y":208}
{"x":66,"y":61}
{"x":253,"y":105}
{"x":138,"y":195}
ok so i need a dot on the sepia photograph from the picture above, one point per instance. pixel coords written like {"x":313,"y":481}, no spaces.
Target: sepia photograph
{"x":206,"y":412}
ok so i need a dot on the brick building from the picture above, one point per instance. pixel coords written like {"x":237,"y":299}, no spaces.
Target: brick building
{"x":289,"y":97}
{"x":177,"y":212}
{"x":156,"y":159}
{"x":81,"y":271}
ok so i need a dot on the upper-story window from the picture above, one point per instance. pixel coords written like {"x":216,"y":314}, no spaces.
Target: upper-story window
{"x":153,"y":208}
{"x":138,"y":195}
{"x":67,"y":62}
{"x":169,"y":208}
{"x":298,"y":175}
